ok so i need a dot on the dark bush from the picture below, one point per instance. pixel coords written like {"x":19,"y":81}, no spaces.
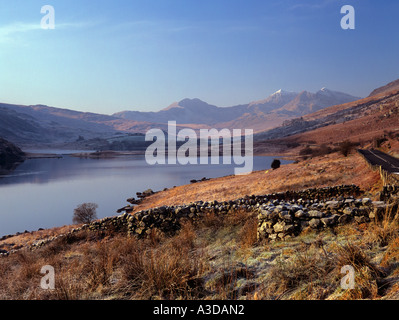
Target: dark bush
{"x":346,"y":147}
{"x":292,"y":145}
{"x":306,"y":151}
{"x":379,"y":141}
{"x":315,"y":152}
{"x":275,"y":164}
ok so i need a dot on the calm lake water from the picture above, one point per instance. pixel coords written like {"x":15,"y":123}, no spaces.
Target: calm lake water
{"x":42,"y":193}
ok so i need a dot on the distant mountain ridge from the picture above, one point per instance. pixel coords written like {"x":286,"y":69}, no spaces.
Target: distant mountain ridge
{"x":307,"y":102}
{"x":41,"y":125}
{"x":380,"y":104}
{"x":280,"y":106}
{"x":187,"y":111}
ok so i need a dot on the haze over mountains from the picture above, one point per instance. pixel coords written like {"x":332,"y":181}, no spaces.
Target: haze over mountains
{"x":41,"y":125}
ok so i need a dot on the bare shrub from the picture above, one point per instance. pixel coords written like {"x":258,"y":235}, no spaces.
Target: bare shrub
{"x":85,"y":213}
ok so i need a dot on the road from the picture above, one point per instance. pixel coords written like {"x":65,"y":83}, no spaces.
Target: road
{"x":378,"y":158}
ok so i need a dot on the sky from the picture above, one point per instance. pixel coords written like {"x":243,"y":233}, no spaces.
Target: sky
{"x":109,"y":56}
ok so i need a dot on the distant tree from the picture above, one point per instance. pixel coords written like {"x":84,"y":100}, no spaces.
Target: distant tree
{"x":346,"y":147}
{"x":306,"y":151}
{"x":85,"y":213}
{"x":378,"y":141}
{"x":275,"y":164}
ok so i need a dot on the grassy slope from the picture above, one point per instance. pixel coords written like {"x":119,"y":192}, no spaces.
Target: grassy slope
{"x":329,"y":170}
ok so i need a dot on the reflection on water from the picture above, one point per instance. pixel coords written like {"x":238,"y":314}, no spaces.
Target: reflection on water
{"x":42,"y":193}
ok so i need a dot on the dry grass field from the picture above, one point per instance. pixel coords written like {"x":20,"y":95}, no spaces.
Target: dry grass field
{"x":328,"y":170}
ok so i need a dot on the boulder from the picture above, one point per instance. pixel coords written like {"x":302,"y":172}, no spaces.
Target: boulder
{"x":279,"y":227}
{"x":329,"y":221}
{"x":316,"y":214}
{"x":300,"y":214}
{"x":314,"y":223}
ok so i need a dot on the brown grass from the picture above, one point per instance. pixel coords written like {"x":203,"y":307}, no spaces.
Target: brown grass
{"x":306,"y":268}
{"x":91,"y":265}
{"x":325,"y":171}
{"x":385,"y":229}
{"x":352,"y":255}
{"x":215,"y":258}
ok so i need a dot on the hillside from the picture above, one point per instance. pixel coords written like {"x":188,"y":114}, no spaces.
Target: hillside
{"x":38,"y":126}
{"x":394,"y":85}
{"x":10,"y":155}
{"x":19,"y":126}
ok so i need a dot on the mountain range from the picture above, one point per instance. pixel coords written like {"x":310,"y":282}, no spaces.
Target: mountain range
{"x":362,"y":120}
{"x":258,"y":115}
{"x":44,"y":126}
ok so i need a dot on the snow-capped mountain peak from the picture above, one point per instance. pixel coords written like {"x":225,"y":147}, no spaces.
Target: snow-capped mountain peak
{"x":339,"y":96}
{"x":283,"y":92}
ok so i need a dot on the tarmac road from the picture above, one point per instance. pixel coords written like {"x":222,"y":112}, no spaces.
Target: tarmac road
{"x":378,"y":158}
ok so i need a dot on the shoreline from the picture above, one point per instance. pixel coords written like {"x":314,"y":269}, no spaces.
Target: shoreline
{"x":115,"y":153}
{"x":108,"y":155}
{"x":30,"y":156}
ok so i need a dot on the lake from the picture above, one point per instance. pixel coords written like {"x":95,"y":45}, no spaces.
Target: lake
{"x":42,"y":193}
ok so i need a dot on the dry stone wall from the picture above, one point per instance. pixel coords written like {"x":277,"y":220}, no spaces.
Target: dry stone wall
{"x":167,"y":219}
{"x":281,"y":215}
{"x":389,"y":191}
{"x":281,"y":220}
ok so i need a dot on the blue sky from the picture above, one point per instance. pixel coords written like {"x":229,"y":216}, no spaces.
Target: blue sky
{"x":109,"y":56}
